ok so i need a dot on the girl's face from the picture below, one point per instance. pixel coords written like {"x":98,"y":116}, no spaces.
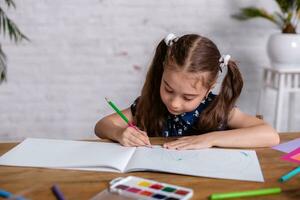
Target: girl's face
{"x":182,"y":91}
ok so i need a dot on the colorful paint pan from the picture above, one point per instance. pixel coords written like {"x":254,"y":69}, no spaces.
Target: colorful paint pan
{"x":140,"y":188}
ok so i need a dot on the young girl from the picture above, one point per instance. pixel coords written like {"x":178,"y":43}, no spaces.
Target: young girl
{"x":176,"y":100}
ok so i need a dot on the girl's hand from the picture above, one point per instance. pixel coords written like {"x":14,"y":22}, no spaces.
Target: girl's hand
{"x":133,"y":137}
{"x":190,"y":142}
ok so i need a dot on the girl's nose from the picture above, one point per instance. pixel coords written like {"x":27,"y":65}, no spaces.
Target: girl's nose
{"x":175,"y":103}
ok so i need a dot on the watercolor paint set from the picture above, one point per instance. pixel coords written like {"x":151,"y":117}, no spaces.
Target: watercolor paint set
{"x":140,"y":188}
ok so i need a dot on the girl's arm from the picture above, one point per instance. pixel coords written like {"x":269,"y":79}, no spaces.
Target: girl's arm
{"x":113,"y":127}
{"x":246,"y":132}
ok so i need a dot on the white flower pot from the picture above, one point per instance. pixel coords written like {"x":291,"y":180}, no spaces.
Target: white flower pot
{"x":284,"y":51}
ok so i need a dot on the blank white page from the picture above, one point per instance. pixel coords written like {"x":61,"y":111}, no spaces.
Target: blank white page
{"x":52,"y":153}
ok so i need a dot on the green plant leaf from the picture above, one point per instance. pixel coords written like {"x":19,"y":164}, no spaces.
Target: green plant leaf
{"x":3,"y":65}
{"x":298,"y":5}
{"x":7,"y":25}
{"x":252,"y":12}
{"x":285,"y":5}
{"x":10,"y":3}
{"x":2,"y":21}
{"x":279,"y":18}
{"x":14,"y":33}
{"x":289,"y":17}
{"x":286,"y":19}
{"x":298,"y":14}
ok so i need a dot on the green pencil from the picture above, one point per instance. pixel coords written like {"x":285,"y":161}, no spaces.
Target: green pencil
{"x":248,"y":193}
{"x":123,"y":116}
{"x":118,"y":111}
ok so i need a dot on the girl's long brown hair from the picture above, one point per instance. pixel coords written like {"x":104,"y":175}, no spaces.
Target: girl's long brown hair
{"x":192,"y":53}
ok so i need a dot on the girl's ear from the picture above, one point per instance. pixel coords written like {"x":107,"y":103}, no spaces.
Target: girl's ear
{"x":206,"y":94}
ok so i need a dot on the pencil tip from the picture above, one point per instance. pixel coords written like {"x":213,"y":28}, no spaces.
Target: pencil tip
{"x":106,"y":99}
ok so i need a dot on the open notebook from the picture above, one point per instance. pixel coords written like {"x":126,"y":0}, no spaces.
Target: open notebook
{"x":98,"y":156}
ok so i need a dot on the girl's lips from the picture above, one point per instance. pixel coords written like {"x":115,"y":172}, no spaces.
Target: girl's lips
{"x":173,"y":112}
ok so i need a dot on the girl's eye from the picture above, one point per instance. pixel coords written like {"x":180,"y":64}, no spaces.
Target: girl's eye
{"x":187,"y":99}
{"x":167,"y":90}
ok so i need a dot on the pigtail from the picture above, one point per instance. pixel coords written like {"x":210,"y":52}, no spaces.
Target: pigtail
{"x":217,"y":113}
{"x":151,"y":111}
{"x":231,"y":87}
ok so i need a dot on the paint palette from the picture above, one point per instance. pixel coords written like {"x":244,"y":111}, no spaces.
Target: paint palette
{"x":140,"y":188}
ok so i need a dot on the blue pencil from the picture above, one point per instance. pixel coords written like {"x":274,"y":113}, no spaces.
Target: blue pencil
{"x":58,"y":194}
{"x":289,"y":175}
{"x":5,"y":194}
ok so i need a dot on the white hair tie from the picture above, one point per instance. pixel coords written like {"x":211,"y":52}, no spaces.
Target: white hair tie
{"x":170,"y":39}
{"x":224,"y":61}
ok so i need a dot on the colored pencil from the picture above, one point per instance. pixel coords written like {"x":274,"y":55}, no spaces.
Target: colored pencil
{"x":57,"y":192}
{"x":289,"y":175}
{"x":248,"y":193}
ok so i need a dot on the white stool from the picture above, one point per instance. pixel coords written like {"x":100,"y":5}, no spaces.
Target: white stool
{"x":285,"y":82}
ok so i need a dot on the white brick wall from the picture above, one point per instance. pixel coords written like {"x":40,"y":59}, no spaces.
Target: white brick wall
{"x":84,"y":50}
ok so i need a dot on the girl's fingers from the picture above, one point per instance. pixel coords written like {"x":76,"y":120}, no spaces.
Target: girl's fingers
{"x":128,"y":144}
{"x":138,"y":138}
{"x":144,"y":133}
{"x":131,"y":143}
{"x":147,"y":140}
{"x":136,"y":141}
{"x":129,"y":138}
{"x":174,"y":144}
{"x":141,"y":134}
{"x":187,"y":144}
{"x":183,"y":146}
{"x":144,"y":136}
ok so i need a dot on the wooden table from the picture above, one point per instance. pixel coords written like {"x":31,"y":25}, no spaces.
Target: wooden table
{"x":35,"y":183}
